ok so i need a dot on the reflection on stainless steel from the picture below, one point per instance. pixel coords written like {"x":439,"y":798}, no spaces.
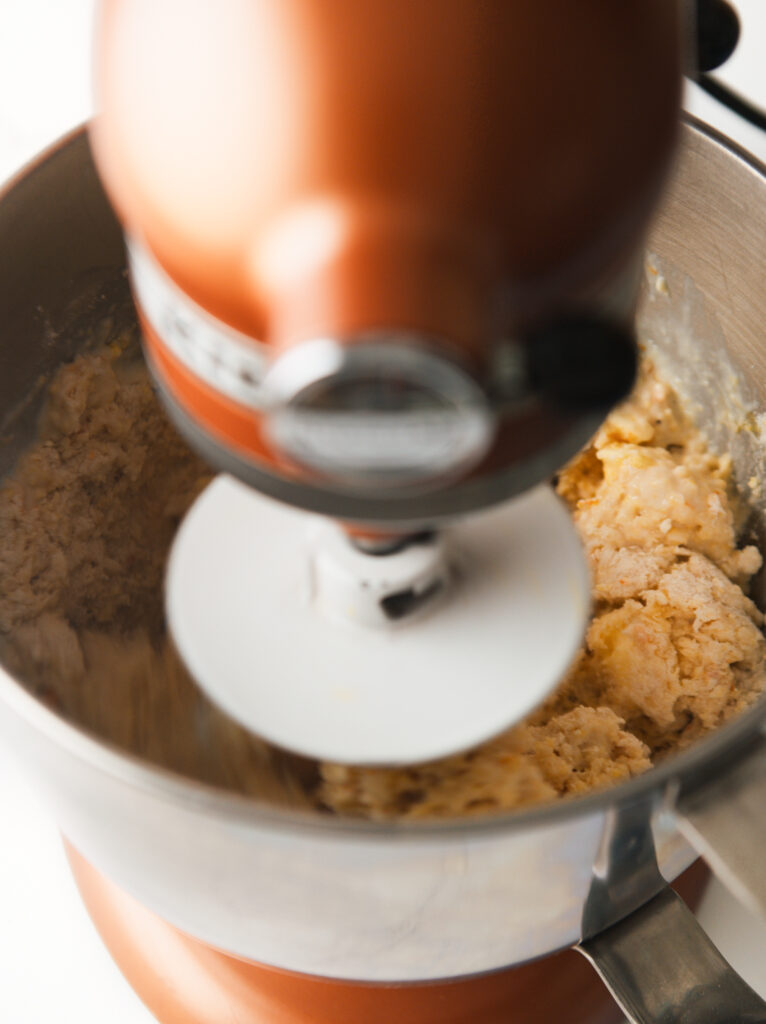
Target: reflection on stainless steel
{"x":725,"y":820}
{"x":353,"y":899}
{"x":625,"y":871}
{"x":657,"y":961}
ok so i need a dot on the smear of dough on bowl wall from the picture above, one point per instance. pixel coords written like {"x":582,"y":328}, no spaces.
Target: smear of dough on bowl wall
{"x":674,"y":648}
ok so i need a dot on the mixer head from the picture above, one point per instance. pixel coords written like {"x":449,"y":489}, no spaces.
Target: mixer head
{"x":385,"y":261}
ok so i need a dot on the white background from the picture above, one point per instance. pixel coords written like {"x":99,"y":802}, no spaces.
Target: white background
{"x":53,"y":967}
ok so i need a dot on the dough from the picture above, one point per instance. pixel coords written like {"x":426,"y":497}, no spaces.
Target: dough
{"x":674,"y":648}
{"x":86,"y":521}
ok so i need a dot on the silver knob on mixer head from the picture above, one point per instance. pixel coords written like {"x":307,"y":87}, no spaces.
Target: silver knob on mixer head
{"x":379,"y":410}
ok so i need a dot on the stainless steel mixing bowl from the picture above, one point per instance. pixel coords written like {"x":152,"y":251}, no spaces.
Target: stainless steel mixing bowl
{"x":356,"y":900}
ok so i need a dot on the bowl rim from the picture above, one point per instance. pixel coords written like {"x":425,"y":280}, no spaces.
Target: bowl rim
{"x":166,"y":784}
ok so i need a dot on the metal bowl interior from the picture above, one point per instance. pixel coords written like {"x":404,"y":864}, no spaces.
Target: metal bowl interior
{"x":62,"y":272}
{"x":63,"y":288}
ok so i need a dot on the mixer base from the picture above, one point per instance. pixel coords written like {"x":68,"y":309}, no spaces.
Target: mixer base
{"x":183,"y":981}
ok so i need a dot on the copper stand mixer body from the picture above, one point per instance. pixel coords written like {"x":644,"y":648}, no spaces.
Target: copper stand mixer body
{"x":369,"y":244}
{"x":346,"y":898}
{"x":443,"y":182}
{"x":351,"y":899}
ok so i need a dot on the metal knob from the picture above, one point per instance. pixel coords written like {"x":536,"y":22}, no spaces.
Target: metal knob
{"x":378,"y":411}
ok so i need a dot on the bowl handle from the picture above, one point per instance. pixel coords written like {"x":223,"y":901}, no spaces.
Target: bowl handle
{"x":660,"y":966}
{"x":657,"y":961}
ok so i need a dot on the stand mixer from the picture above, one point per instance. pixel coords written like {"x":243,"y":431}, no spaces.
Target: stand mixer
{"x":386,"y":260}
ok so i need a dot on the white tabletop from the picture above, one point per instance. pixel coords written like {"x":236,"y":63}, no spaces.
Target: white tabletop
{"x":53,"y":967}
